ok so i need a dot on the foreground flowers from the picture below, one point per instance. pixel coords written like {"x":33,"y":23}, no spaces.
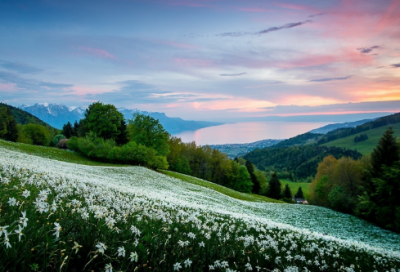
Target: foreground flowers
{"x":92,"y":218}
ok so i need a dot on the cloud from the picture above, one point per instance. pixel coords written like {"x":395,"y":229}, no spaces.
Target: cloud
{"x":315,"y":15}
{"x":265,"y":31}
{"x":397,"y":65}
{"x":290,"y":25}
{"x":20,"y":67}
{"x":366,"y":50}
{"x":373,"y":106}
{"x":330,"y":79}
{"x":97,"y":52}
{"x":233,"y":75}
{"x":264,"y":85}
{"x":33,"y":86}
{"x":137,"y":92}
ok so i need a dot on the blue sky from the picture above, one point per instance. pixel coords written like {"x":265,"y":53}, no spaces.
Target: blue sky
{"x":204,"y":60}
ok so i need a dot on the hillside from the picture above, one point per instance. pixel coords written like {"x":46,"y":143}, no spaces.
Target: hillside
{"x":300,"y":160}
{"x":365,"y":147}
{"x":328,"y":128}
{"x":22,"y":117}
{"x":127,"y":217}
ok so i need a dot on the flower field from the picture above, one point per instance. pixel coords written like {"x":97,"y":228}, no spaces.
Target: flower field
{"x":58,"y":216}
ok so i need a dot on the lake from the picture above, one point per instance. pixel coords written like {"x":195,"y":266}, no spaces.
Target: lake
{"x":248,"y":132}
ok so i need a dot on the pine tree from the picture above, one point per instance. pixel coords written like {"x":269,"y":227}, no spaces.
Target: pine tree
{"x":12,"y":128}
{"x":256,"y":184}
{"x":387,"y":152}
{"x":287,"y":194}
{"x":274,"y":187}
{"x":299,"y":193}
{"x":68,"y":130}
{"x":122,"y":138}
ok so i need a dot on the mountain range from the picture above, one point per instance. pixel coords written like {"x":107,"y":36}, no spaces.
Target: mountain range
{"x":57,"y":115}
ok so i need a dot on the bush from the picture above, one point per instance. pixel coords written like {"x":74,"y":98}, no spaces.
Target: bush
{"x":35,"y":134}
{"x":63,"y":143}
{"x":57,"y":138}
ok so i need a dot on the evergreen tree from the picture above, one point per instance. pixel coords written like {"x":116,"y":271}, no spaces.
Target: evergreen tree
{"x":274,"y":187}
{"x":287,"y":194}
{"x":256,"y":184}
{"x":8,"y":125}
{"x":299,"y":193}
{"x":122,"y":138}
{"x":387,"y":152}
{"x":12,"y":128}
{"x":76,"y":128}
{"x":68,"y":130}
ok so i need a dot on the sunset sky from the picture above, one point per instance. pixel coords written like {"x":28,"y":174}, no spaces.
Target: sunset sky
{"x":204,"y":59}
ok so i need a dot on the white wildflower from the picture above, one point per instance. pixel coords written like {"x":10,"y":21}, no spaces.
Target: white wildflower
{"x":134,"y":257}
{"x":177,"y":266}
{"x":121,"y":252}
{"x":101,"y":247}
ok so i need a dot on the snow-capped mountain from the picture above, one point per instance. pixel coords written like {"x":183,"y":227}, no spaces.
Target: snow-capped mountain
{"x":54,"y":114}
{"x":57,"y":115}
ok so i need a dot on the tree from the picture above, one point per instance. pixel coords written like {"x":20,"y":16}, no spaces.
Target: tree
{"x":274,"y":187}
{"x":37,"y":134}
{"x":8,"y":125}
{"x":387,"y":152}
{"x":122,"y":138}
{"x":287,"y":194}
{"x":256,"y":184}
{"x":149,"y":132}
{"x":104,"y":120}
{"x":68,"y":130}
{"x":299,"y":193}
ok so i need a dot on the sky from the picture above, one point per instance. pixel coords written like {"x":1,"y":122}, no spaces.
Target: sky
{"x":204,"y":59}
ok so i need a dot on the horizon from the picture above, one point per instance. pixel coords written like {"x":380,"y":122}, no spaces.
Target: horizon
{"x":209,"y":60}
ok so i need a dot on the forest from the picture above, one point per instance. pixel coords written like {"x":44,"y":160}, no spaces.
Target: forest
{"x":368,"y":187}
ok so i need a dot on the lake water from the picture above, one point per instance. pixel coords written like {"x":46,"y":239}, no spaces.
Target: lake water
{"x":248,"y":132}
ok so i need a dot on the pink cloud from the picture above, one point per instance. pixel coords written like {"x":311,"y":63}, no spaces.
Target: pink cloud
{"x":97,"y":52}
{"x":8,"y":87}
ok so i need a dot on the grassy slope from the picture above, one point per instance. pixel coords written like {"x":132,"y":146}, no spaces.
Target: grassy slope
{"x":220,"y":189}
{"x":294,"y":186}
{"x":365,"y":147}
{"x":52,"y":153}
{"x":73,"y":157}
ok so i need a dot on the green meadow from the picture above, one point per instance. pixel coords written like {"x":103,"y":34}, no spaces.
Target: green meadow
{"x":365,"y":147}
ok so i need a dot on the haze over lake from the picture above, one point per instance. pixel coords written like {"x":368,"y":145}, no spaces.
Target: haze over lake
{"x":248,"y":132}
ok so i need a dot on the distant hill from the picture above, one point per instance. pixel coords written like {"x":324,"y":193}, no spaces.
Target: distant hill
{"x":22,"y":117}
{"x":237,"y":150}
{"x":311,"y":138}
{"x":58,"y":115}
{"x":364,"y":147}
{"x":344,"y":132}
{"x":299,"y":140}
{"x":328,"y":128}
{"x":300,"y":160}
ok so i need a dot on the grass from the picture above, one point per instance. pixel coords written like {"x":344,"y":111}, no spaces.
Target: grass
{"x":294,"y":186}
{"x":365,"y":147}
{"x":53,"y":153}
{"x":220,"y":189}
{"x":65,"y":217}
{"x":73,"y":157}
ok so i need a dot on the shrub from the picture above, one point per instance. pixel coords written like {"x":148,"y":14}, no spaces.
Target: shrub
{"x":37,"y":134}
{"x":63,"y":143}
{"x":57,"y":138}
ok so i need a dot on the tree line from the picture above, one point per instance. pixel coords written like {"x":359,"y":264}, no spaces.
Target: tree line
{"x":368,"y":187}
{"x":297,"y":162}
